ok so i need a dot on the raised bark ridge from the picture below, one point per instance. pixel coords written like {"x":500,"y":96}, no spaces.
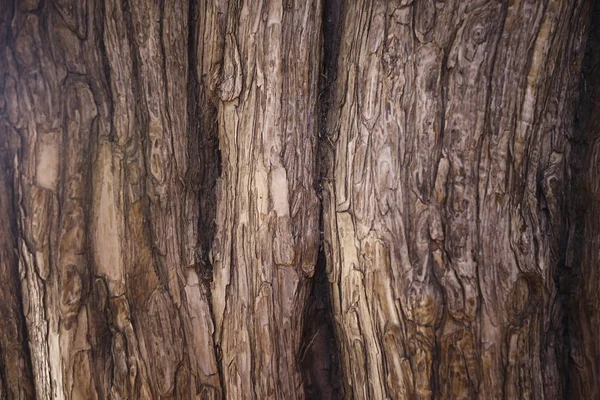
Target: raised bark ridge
{"x":266,"y":243}
{"x":96,"y":96}
{"x":444,"y":203}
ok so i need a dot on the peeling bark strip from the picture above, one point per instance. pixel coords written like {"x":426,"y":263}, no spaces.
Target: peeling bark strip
{"x":444,"y":206}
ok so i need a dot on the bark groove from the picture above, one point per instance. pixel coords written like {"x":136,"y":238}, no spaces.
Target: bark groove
{"x":580,"y":280}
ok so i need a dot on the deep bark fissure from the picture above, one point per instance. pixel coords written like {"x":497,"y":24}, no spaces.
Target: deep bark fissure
{"x":577,"y":275}
{"x":319,"y":352}
{"x":201,"y":176}
{"x":319,"y":355}
{"x":204,"y":144}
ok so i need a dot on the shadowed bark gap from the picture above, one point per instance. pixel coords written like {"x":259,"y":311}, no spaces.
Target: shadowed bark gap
{"x":203,"y":146}
{"x":319,"y":353}
{"x":580,"y":273}
{"x":204,"y":154}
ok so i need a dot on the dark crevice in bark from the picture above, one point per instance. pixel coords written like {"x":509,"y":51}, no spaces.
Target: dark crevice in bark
{"x":11,"y":283}
{"x":319,"y":356}
{"x":204,"y":165}
{"x":204,"y":139}
{"x":572,"y":275}
{"x":319,"y":353}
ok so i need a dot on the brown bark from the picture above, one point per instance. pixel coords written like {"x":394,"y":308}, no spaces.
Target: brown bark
{"x":15,"y":365}
{"x":444,"y":200}
{"x":115,"y":173}
{"x":581,"y":276}
{"x":170,"y":171}
{"x":266,"y":241}
{"x":113,"y":300}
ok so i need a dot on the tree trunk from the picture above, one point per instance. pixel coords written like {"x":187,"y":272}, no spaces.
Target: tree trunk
{"x":227,"y":199}
{"x":114,"y":299}
{"x":444,"y":197}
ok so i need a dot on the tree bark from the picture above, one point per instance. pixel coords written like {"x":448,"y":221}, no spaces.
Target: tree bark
{"x":581,"y":275}
{"x":227,"y":199}
{"x":266,"y":242}
{"x":444,"y":199}
{"x":113,"y":297}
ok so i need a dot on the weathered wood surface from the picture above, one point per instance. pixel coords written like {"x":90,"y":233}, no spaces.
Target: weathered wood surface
{"x":444,"y":201}
{"x":160,"y":163}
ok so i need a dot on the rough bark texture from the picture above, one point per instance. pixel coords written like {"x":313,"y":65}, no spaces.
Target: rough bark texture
{"x":95,"y":95}
{"x":15,"y":365}
{"x":444,"y":207}
{"x":266,"y":243}
{"x":113,"y":110}
{"x":257,"y":199}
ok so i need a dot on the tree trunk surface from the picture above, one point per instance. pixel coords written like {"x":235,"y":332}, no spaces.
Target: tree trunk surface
{"x":445,"y":203}
{"x":205,"y":199}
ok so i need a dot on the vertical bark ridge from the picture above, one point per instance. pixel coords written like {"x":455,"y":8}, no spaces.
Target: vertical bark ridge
{"x":52,"y":112}
{"x":266,"y":243}
{"x":450,"y":129}
{"x":16,"y":380}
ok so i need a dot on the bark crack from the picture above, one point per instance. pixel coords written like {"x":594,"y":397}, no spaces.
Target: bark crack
{"x":319,"y":354}
{"x":577,"y":270}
